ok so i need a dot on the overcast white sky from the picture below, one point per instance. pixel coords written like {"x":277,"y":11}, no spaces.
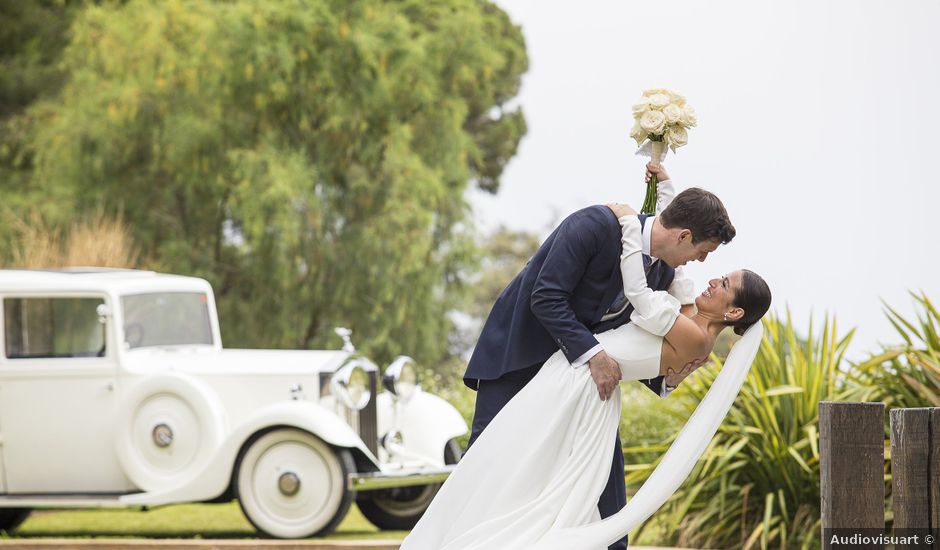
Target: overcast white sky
{"x":817,"y":128}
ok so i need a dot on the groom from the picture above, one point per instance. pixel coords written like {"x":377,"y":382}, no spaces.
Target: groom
{"x":571,"y":289}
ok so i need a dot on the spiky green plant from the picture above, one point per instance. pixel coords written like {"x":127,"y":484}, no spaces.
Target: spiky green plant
{"x":907,"y":375}
{"x":757,"y":484}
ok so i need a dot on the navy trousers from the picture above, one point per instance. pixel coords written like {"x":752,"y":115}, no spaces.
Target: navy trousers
{"x":492,"y":396}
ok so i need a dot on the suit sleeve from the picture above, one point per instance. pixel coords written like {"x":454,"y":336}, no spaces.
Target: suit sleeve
{"x":578,"y":240}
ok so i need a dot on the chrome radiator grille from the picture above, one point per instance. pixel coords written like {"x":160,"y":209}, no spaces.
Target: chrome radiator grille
{"x":366,"y":421}
{"x":368,"y":418}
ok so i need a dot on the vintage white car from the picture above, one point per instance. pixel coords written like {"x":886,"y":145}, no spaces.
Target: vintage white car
{"x":115,"y":390}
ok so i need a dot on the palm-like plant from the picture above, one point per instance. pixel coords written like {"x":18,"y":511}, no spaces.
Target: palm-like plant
{"x":758,"y":482}
{"x":908,"y":375}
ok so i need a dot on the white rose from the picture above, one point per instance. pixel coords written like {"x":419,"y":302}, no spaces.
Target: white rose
{"x":659,"y":101}
{"x":676,"y":136}
{"x":640,"y":107}
{"x":654,"y":91}
{"x":673,"y":113}
{"x":653,"y":122}
{"x":676,"y":98}
{"x":638,"y":133}
{"x":688,"y":118}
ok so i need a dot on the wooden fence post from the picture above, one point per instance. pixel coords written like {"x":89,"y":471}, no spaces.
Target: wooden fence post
{"x":935,"y":474}
{"x":851,"y":467}
{"x":915,"y":469}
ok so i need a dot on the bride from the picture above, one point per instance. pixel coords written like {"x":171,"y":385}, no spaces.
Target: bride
{"x":533,"y":477}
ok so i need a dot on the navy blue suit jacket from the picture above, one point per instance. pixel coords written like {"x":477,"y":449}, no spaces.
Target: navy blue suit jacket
{"x":558,"y":299}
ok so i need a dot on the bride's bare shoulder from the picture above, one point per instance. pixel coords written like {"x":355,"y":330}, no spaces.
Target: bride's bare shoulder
{"x":689,"y":340}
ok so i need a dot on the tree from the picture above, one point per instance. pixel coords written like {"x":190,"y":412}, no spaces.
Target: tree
{"x":32,"y":37}
{"x":504,"y":253}
{"x":307,"y":157}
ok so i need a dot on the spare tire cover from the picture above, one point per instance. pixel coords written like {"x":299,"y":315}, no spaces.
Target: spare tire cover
{"x":167,"y":429}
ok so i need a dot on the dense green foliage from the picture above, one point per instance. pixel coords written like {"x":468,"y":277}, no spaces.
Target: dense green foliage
{"x":32,"y":37}
{"x":308,"y":157}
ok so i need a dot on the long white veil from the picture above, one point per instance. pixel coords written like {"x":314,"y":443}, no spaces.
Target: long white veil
{"x":676,"y":464}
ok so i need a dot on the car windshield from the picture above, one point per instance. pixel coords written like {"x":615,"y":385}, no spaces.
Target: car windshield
{"x":166,"y":319}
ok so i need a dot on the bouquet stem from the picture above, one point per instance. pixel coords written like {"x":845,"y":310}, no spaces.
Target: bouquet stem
{"x":649,"y":203}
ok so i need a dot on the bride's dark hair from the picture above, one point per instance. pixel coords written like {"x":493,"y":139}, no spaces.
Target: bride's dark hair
{"x":753,"y":297}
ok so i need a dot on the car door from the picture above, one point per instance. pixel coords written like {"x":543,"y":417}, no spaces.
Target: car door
{"x":57,"y":398}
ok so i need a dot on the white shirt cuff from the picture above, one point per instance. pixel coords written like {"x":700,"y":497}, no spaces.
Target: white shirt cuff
{"x":586,"y":356}
{"x":665,"y":192}
{"x":663,"y":392}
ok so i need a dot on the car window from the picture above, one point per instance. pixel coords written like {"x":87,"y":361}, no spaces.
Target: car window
{"x":53,"y":327}
{"x":166,"y":319}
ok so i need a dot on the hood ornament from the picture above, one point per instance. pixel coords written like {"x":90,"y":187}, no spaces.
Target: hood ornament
{"x":345,"y":334}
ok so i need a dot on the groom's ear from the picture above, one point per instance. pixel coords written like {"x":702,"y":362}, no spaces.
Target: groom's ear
{"x":684,"y":234}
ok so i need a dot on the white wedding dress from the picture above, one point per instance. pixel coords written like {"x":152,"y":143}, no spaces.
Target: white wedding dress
{"x":533,"y":478}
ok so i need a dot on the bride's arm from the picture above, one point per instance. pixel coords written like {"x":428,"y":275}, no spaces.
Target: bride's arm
{"x":652,"y":311}
{"x":682,"y":287}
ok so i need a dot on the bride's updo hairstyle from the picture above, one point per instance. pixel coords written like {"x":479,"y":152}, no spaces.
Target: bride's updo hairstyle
{"x":753,"y":297}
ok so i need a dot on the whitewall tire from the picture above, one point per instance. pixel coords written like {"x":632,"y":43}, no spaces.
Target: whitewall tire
{"x":290,"y":484}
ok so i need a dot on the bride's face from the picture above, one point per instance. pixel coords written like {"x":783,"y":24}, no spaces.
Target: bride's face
{"x":719,"y":296}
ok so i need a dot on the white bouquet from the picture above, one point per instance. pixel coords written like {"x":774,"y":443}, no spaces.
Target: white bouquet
{"x":662,"y":118}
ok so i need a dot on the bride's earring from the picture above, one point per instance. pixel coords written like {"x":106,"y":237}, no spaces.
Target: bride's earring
{"x":726,"y":316}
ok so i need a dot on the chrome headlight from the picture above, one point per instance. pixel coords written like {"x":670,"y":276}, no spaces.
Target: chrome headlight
{"x":401,"y":378}
{"x":351,"y":383}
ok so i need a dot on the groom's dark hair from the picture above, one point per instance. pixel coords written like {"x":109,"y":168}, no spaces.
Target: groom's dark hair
{"x":701,"y":213}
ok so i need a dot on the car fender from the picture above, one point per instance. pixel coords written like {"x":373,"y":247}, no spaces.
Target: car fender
{"x":426,"y":422}
{"x":215,"y":477}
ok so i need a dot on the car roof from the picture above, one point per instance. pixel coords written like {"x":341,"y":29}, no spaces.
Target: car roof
{"x":95,"y":279}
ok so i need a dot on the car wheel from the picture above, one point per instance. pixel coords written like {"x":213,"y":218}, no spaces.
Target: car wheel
{"x":400,"y":508}
{"x":290,"y":484}
{"x":11,"y":518}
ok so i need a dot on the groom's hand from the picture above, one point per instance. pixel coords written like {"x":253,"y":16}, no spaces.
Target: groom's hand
{"x":606,"y":374}
{"x":673,"y":378}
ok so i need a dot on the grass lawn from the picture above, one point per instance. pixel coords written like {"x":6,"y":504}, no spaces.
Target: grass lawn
{"x":209,"y":521}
